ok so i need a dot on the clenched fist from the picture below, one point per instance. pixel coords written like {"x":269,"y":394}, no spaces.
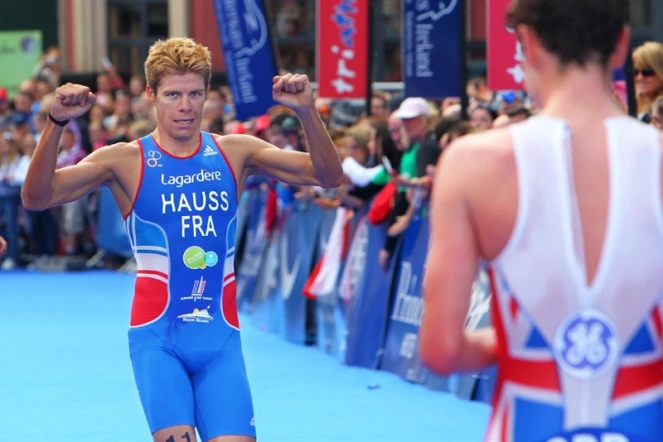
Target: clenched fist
{"x":293,"y":91}
{"x":71,"y":101}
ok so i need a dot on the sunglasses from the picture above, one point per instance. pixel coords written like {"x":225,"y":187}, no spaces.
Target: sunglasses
{"x":644,"y":72}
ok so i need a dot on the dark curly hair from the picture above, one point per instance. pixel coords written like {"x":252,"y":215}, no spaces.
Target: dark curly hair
{"x":577,"y":31}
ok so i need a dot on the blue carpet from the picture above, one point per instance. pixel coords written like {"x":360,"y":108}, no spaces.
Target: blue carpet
{"x":66,"y":376}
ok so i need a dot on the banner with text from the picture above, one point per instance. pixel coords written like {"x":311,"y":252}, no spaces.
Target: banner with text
{"x":248,"y":52}
{"x":401,"y":355}
{"x":504,"y":52}
{"x":342,"y":48}
{"x":431,"y":47}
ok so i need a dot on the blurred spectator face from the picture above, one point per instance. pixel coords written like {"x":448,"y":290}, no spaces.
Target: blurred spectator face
{"x":214,"y":96}
{"x":415,"y":115}
{"x":97,"y":114}
{"x":28,"y":146}
{"x":395,"y":131}
{"x":136,"y":86}
{"x":122,"y":104}
{"x":359,"y":153}
{"x":68,"y":140}
{"x":19,"y":131}
{"x":103,"y":83}
{"x":22,"y":102}
{"x":42,"y":88}
{"x":277,"y":138}
{"x":105,"y":100}
{"x":39,"y":120}
{"x":4,"y":143}
{"x":379,"y":107}
{"x":27,"y":87}
{"x":481,"y":118}
{"x":46,"y":103}
{"x":97,"y":132}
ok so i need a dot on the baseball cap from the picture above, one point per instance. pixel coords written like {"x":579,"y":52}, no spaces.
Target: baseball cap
{"x":290,"y":125}
{"x":413,"y":107}
{"x":3,"y":94}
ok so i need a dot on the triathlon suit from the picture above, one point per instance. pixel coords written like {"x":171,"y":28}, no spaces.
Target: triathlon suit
{"x":579,"y":362}
{"x":184,"y":335}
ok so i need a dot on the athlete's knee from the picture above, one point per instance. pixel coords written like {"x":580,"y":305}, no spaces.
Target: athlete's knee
{"x":233,"y":439}
{"x":180,"y":433}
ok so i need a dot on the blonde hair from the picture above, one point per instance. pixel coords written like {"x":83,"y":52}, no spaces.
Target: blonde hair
{"x":649,"y":55}
{"x":179,"y":55}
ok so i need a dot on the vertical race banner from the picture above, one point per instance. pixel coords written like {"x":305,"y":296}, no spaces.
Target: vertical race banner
{"x":249,"y":55}
{"x":342,"y":48}
{"x":432,"y":51}
{"x":505,"y":55}
{"x":327,"y":336}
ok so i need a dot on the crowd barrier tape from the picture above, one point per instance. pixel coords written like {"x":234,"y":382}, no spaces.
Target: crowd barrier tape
{"x":371,"y":317}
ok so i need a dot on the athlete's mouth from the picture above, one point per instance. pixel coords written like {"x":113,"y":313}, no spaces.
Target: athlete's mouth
{"x":184,"y":122}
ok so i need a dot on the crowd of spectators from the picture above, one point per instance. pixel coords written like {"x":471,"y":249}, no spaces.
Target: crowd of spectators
{"x":388,"y":157}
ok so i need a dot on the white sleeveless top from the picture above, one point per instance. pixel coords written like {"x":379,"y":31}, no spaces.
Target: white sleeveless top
{"x":573,"y":356}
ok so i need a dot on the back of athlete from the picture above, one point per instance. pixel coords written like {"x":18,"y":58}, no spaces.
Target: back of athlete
{"x":566,"y":209}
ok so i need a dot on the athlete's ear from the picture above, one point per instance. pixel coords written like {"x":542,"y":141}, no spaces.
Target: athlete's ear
{"x":151,"y":93}
{"x":529,"y":43}
{"x":622,"y":49}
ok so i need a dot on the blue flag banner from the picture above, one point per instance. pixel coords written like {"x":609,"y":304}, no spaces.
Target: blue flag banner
{"x":254,"y":248}
{"x":248,"y":52}
{"x":365,"y":288}
{"x":111,"y":235}
{"x":327,"y":339}
{"x":431,"y":48}
{"x":401,"y":355}
{"x":296,"y":254}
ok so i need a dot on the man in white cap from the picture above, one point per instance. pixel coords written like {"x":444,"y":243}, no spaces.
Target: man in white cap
{"x":415,"y":115}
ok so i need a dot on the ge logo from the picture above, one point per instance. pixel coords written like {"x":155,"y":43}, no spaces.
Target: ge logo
{"x":153,"y":158}
{"x":586,"y":344}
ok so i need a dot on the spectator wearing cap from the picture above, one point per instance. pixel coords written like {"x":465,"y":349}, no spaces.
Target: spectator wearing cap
{"x":415,"y":114}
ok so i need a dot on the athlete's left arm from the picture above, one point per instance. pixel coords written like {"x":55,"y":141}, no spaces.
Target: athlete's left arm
{"x":452,"y":265}
{"x":321,"y":166}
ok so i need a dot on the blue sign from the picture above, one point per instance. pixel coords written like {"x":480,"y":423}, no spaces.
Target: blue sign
{"x":432,"y":58}
{"x":254,"y":248}
{"x":111,"y":235}
{"x":368,"y":286}
{"x":401,"y":355}
{"x":249,"y":56}
{"x":296,"y":253}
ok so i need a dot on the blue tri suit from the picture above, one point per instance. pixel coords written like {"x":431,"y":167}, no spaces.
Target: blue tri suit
{"x":184,"y":335}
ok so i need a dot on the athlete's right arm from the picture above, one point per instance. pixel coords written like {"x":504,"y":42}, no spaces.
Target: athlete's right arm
{"x":46,"y":187}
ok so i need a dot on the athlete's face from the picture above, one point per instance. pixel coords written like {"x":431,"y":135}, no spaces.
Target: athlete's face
{"x":179,"y":102}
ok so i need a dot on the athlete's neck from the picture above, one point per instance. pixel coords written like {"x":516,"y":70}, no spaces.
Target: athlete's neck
{"x":579,"y":95}
{"x":175,"y":147}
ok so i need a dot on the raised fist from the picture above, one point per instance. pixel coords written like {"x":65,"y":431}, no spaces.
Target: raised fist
{"x":293,"y":91}
{"x":71,"y":101}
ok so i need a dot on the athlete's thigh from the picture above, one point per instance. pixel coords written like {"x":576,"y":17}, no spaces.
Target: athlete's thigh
{"x":163,"y":384}
{"x":224,"y":407}
{"x":180,"y":433}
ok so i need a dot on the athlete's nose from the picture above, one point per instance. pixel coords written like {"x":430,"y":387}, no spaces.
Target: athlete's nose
{"x":185,"y":104}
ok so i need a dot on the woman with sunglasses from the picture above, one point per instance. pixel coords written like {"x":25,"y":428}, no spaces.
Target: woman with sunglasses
{"x":648,"y":72}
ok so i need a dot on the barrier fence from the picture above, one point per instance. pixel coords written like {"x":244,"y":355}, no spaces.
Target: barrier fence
{"x":355,"y":311}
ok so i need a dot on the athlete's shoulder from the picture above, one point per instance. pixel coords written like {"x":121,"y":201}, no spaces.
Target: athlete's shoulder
{"x":481,"y":150}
